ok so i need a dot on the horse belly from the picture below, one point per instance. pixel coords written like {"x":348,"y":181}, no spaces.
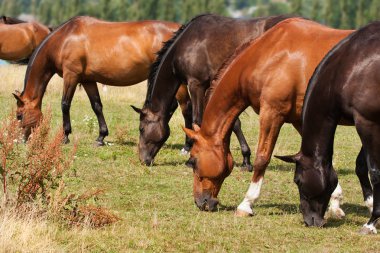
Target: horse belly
{"x":118,"y":74}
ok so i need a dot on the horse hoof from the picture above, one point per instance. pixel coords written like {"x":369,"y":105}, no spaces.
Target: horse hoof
{"x":99,"y":143}
{"x":368,"y":230}
{"x":246,"y":167}
{"x":184,"y":152}
{"x":241,"y":213}
{"x":66,"y":140}
{"x":336,"y":213}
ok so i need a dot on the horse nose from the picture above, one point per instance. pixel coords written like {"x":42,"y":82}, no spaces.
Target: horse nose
{"x":148,"y":161}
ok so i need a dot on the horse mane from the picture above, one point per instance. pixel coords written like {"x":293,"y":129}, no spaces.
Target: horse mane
{"x":161,"y":55}
{"x":12,"y":21}
{"x":38,"y":49}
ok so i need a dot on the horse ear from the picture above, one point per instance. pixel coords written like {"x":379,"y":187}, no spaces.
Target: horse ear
{"x":190,"y":133}
{"x":138,"y":110}
{"x":196,"y":127}
{"x":289,"y":158}
{"x":17,"y":94}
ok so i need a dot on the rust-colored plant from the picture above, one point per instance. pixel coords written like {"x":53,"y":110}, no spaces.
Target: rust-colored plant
{"x":10,"y":136}
{"x":38,"y":172}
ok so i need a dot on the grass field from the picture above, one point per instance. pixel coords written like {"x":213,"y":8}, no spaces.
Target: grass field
{"x":156,"y":204}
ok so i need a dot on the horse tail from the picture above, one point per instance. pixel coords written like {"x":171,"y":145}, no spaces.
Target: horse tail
{"x":12,"y":21}
{"x":20,"y":62}
{"x":164,"y":55}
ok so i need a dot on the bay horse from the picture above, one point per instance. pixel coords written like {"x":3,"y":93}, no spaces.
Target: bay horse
{"x":345,"y":87}
{"x":270,"y":74}
{"x":87,"y":50}
{"x":192,"y":57}
{"x":18,"y":39}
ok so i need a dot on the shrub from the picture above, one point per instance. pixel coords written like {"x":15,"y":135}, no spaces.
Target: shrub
{"x":37,"y":171}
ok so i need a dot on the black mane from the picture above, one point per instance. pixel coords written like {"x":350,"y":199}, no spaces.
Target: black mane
{"x":154,"y":68}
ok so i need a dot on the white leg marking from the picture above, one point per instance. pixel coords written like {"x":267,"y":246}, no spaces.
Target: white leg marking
{"x":335,"y":201}
{"x":368,"y":229}
{"x":251,"y":197}
{"x":369,"y":203}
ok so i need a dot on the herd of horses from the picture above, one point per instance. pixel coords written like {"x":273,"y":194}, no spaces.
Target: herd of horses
{"x":288,"y":69}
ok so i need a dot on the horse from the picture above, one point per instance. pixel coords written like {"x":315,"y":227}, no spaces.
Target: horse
{"x":344,"y":88}
{"x":18,"y":38}
{"x":87,"y":50}
{"x":270,"y":74}
{"x":192,"y":57}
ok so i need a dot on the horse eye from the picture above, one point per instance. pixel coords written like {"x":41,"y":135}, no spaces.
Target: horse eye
{"x":19,"y":116}
{"x":141,"y":129}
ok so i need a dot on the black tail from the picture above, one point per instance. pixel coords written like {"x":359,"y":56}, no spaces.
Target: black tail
{"x":11,"y":21}
{"x":20,"y":62}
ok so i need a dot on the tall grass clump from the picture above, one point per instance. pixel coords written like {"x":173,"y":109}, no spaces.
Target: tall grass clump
{"x":32,"y":177}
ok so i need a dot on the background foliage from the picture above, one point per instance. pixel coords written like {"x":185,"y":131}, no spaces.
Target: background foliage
{"x":337,"y":13}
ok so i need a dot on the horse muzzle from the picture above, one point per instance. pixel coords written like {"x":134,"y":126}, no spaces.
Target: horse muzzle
{"x":206,"y":203}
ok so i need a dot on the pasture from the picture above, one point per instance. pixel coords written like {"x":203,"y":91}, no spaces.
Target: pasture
{"x":156,"y":204}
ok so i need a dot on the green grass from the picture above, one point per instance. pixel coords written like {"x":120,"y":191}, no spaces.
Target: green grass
{"x":156,"y":203}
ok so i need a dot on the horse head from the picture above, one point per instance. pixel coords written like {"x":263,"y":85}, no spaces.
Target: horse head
{"x":27,"y":113}
{"x":154,"y":131}
{"x":211,"y":163}
{"x":316,"y":182}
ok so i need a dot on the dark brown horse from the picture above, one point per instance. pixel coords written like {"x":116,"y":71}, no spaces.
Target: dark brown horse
{"x":18,"y":39}
{"x":269,"y":74}
{"x":192,"y":57}
{"x":344,"y":88}
{"x":86,"y":50}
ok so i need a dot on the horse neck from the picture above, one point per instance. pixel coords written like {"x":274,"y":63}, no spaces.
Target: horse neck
{"x":223,"y":108}
{"x":319,"y":125}
{"x":37,"y":77}
{"x":164,"y":88}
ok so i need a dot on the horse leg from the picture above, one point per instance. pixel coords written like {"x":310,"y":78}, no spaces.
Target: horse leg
{"x":245,"y":150}
{"x":369,"y":133}
{"x":362,"y":173}
{"x":197,"y":92}
{"x":96,"y":104}
{"x":270,"y":125}
{"x":184,"y":101}
{"x":69,"y":86}
{"x":370,"y":226}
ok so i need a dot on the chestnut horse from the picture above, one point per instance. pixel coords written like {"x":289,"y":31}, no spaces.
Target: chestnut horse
{"x":87,"y":50}
{"x":193,"y":57}
{"x":269,"y":74}
{"x":18,"y":39}
{"x":345,"y":87}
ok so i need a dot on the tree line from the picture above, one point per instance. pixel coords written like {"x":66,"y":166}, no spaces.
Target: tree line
{"x":336,"y":13}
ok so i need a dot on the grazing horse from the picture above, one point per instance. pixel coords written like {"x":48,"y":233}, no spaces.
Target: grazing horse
{"x":18,"y":39}
{"x":193,"y":57}
{"x":87,"y":50}
{"x":270,"y":74}
{"x":344,"y":88}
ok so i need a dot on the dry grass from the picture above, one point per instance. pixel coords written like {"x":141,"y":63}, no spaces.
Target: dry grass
{"x":156,"y":204}
{"x":27,"y":233}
